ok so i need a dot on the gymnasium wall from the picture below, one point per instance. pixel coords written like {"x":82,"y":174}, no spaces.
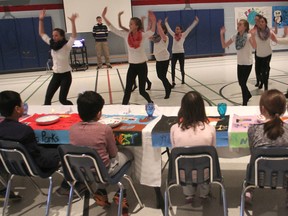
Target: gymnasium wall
{"x":30,"y":8}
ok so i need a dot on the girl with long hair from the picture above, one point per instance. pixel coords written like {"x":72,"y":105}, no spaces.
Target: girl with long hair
{"x":244,"y":42}
{"x":193,"y":129}
{"x":136,"y":53}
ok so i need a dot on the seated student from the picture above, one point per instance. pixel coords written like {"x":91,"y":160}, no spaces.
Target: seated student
{"x":89,"y":132}
{"x":273,"y":131}
{"x":11,"y":107}
{"x":193,"y":129}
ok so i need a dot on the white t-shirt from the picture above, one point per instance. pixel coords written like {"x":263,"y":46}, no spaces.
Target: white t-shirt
{"x":61,"y":57}
{"x":178,"y":46}
{"x":263,"y":47}
{"x":138,"y":55}
{"x":244,"y":55}
{"x":201,"y":136}
{"x":160,"y":50}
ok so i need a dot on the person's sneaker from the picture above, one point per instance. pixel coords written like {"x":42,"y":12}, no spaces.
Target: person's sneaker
{"x":101,"y":198}
{"x":109,"y":66}
{"x":12,"y":197}
{"x":99,"y":67}
{"x":125,"y":204}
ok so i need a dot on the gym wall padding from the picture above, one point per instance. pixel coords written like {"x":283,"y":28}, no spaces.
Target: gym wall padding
{"x":204,"y":39}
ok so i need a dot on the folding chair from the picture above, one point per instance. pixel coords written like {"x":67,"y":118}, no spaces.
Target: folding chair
{"x":17,"y":161}
{"x":83,"y":164}
{"x":268,"y":168}
{"x":188,"y":159}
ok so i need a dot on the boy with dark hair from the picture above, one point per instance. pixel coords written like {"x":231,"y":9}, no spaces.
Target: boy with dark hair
{"x":91,"y":133}
{"x":11,"y":107}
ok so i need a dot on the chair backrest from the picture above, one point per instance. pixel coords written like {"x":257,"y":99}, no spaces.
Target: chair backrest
{"x":193,"y":165}
{"x":82,"y":164}
{"x":16,"y":159}
{"x":268,"y":167}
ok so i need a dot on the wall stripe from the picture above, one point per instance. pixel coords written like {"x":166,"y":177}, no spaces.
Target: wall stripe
{"x":31,"y":7}
{"x":9,"y":8}
{"x":158,"y":2}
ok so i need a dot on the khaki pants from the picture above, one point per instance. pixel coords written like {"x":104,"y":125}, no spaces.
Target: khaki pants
{"x":102,"y":46}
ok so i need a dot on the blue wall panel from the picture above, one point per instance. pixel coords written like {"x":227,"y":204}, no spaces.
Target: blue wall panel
{"x":217,"y":21}
{"x":203,"y":32}
{"x":27,"y":44}
{"x":9,"y":45}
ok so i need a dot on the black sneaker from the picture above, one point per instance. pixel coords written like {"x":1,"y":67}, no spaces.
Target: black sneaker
{"x":109,"y":66}
{"x":12,"y":197}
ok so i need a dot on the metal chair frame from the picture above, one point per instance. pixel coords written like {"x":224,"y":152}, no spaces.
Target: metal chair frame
{"x":168,"y":203}
{"x":256,"y":181}
{"x":30,"y":172}
{"x":101,"y":179}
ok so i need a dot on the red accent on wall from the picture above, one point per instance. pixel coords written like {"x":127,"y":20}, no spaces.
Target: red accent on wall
{"x":31,"y":7}
{"x":161,"y":2}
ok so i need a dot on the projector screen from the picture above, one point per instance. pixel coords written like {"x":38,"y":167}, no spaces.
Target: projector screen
{"x":88,"y":10}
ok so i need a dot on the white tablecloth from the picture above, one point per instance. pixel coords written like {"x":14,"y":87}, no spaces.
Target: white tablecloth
{"x":147,"y":160}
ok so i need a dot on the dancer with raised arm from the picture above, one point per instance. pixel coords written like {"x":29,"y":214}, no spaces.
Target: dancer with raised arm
{"x":244,"y":42}
{"x":60,"y":52}
{"x":178,"y":47}
{"x":263,"y":51}
{"x":136,"y":53}
{"x":161,"y":41}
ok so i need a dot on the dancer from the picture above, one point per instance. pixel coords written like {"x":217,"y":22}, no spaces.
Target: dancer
{"x":263,"y":51}
{"x":284,"y":41}
{"x":256,"y":19}
{"x":244,"y":43}
{"x":60,"y":54}
{"x":193,"y":129}
{"x":178,"y":47}
{"x":136,"y":53}
{"x":161,"y":41}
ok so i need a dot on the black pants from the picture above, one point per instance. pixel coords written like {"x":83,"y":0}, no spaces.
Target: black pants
{"x":161,"y":69}
{"x":257,"y":73}
{"x":243,"y":72}
{"x":135,"y":70}
{"x":62,"y":80}
{"x":175,"y":57}
{"x":263,"y":66}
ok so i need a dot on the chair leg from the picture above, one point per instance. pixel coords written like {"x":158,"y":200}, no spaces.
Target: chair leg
{"x":225,"y":209}
{"x":121,"y":187}
{"x":7,"y":194}
{"x":166,"y":203}
{"x":134,"y":190}
{"x":75,"y":191}
{"x":70,"y":198}
{"x":49,"y":195}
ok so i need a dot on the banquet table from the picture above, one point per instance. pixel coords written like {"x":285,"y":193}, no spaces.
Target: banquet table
{"x":147,"y":158}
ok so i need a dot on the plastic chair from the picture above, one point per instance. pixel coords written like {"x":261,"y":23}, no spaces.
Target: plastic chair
{"x":83,"y":164}
{"x":189,"y":159}
{"x":17,"y":161}
{"x":268,"y":168}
